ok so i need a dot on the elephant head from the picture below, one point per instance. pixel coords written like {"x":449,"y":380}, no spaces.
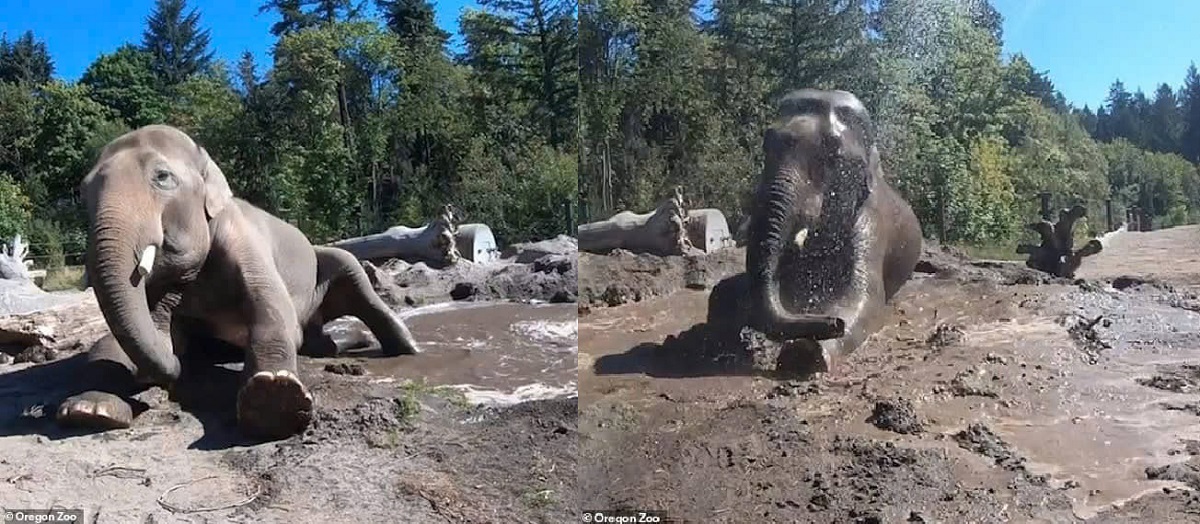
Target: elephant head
{"x":150,"y":197}
{"x":819,"y":155}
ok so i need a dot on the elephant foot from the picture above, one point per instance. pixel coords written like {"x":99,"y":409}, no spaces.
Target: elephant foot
{"x":274,"y":405}
{"x":95,"y":410}
{"x":320,"y":347}
{"x":395,"y":349}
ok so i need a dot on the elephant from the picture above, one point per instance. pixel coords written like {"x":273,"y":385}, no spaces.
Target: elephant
{"x":174,"y":256}
{"x":830,"y":241}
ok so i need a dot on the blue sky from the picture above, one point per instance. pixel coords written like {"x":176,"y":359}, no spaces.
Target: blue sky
{"x":1084,"y":44}
{"x":77,"y":31}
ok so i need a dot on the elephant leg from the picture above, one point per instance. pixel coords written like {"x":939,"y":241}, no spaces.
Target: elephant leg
{"x":110,"y":376}
{"x":317,"y":343}
{"x":727,"y":307}
{"x":272,"y":402}
{"x":861,"y":312}
{"x":348,"y":291}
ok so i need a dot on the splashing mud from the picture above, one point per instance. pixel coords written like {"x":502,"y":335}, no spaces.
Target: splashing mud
{"x":496,"y":353}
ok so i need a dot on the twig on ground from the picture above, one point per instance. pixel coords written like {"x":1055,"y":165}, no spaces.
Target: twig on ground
{"x":176,"y":509}
{"x":121,"y":472}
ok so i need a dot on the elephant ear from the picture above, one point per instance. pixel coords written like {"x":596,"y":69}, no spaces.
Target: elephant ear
{"x":216,"y":188}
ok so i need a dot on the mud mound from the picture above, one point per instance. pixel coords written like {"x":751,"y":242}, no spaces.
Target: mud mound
{"x":1183,"y":378}
{"x":622,"y":277}
{"x":896,"y":415}
{"x":981,"y":439}
{"x":1185,"y":472}
{"x":548,"y":278}
{"x":951,"y":263}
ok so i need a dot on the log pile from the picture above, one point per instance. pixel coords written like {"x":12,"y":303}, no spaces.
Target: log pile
{"x":668,"y":230}
{"x":1056,"y":255}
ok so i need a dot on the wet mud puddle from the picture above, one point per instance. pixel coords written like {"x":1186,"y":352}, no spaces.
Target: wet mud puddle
{"x":1094,"y":414}
{"x":496,"y":353}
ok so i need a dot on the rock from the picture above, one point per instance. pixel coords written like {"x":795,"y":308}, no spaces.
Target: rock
{"x":464,"y":291}
{"x":560,"y":264}
{"x":528,"y":252}
{"x":345,"y":368}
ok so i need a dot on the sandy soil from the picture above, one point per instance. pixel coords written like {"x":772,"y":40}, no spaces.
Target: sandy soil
{"x":994,"y":394}
{"x":380,"y":449}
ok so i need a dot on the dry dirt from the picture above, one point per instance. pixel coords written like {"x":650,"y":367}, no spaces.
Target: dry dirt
{"x":380,"y":449}
{"x":994,"y":394}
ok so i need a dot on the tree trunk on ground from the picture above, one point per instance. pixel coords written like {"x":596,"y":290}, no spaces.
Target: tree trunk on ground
{"x":661,"y":232}
{"x":708,"y":230}
{"x":1056,"y":254}
{"x":67,"y":326}
{"x":433,"y":243}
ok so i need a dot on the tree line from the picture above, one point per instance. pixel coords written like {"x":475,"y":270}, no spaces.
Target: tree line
{"x":675,"y":93}
{"x":365,"y":118}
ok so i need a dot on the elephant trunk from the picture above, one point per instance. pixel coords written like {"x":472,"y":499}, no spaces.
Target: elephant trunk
{"x":773,"y":224}
{"x":119,"y":257}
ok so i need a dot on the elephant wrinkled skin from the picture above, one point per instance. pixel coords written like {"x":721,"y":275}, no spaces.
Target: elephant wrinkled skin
{"x":173,"y":255}
{"x":830,"y":241}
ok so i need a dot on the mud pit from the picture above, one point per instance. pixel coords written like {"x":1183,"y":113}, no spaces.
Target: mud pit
{"x":486,"y":432}
{"x":994,"y":395}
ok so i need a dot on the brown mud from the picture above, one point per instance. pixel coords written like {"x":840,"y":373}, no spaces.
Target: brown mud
{"x":482,"y":427}
{"x":994,"y":394}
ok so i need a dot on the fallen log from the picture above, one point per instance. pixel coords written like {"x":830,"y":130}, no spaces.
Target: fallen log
{"x":1056,"y":255}
{"x":476,"y":243}
{"x":73,"y":325}
{"x":433,"y":243}
{"x":660,"y":232}
{"x":708,"y":230}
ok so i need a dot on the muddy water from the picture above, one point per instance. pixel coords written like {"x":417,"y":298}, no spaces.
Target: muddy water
{"x":1082,"y":416}
{"x":496,"y":352}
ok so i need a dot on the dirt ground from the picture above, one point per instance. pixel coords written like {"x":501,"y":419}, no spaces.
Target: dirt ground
{"x":994,"y":394}
{"x":379,"y":450}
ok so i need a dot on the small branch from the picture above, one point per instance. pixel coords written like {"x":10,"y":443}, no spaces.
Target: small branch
{"x":176,"y":509}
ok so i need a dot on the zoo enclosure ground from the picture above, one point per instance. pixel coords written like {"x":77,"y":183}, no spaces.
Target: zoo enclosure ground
{"x":994,"y":394}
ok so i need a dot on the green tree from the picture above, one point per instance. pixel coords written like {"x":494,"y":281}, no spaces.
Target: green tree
{"x":1190,"y":99}
{"x":14,"y":209}
{"x":177,"y":45}
{"x":25,"y":60}
{"x":124,"y":81}
{"x":18,"y":130}
{"x":412,"y":20}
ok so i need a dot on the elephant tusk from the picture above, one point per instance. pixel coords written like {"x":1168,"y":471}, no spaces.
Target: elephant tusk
{"x":146,"y":262}
{"x":801,"y":237}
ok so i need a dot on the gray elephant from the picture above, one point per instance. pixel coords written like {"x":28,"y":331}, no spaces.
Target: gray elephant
{"x":173,"y":255}
{"x":829,"y":241}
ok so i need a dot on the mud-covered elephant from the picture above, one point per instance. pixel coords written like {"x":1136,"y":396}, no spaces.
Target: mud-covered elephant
{"x":173,"y":255}
{"x":829,"y":240}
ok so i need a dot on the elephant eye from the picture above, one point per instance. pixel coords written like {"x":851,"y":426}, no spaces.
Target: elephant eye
{"x":165,"y":179}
